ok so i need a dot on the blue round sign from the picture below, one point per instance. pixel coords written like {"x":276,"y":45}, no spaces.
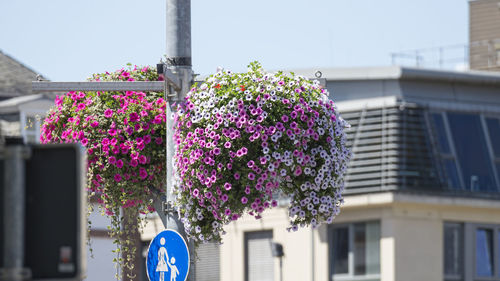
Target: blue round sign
{"x":168,"y":257}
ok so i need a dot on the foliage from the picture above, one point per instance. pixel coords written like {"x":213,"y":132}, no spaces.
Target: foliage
{"x":124,"y":133}
{"x":243,"y":137}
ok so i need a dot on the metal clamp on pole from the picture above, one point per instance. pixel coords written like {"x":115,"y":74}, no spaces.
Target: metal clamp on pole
{"x":168,"y":208}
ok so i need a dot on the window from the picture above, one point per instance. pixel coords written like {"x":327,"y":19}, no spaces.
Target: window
{"x":453,"y":251}
{"x":471,"y":252}
{"x":259,"y":263}
{"x":355,"y":251}
{"x":30,"y":126}
{"x":207,"y":266}
{"x":447,"y":154}
{"x":469,"y":150}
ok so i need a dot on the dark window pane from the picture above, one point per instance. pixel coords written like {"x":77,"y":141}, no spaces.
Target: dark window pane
{"x":484,"y":252}
{"x":452,"y":174}
{"x":340,"y":250}
{"x":359,"y":248}
{"x":472,"y":152}
{"x":494,"y":132}
{"x":442,"y":140}
{"x":453,"y":249}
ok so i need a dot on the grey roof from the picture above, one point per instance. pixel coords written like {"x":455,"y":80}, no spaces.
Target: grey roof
{"x":401,"y":73}
{"x":15,"y":77}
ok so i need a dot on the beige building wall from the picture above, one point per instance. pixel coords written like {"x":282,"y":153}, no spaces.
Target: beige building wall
{"x":484,"y":34}
{"x":411,"y":246}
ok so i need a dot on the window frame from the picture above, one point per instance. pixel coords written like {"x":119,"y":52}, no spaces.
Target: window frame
{"x":350,"y":257}
{"x":493,"y":158}
{"x":246,"y":235}
{"x":469,"y":236}
{"x":496,"y":251}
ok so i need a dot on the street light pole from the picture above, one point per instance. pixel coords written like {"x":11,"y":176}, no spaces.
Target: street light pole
{"x":178,"y":22}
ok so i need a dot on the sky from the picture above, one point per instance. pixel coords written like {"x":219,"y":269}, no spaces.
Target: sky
{"x":68,"y":40}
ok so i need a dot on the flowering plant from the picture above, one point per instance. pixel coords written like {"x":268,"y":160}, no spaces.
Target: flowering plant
{"x":124,"y":133}
{"x":243,"y":137}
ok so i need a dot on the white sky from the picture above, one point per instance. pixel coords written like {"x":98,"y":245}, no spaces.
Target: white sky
{"x":67,"y":40}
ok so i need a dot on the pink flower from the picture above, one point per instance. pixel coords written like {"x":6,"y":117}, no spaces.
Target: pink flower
{"x":108,"y":113}
{"x":142,"y":159}
{"x":133,"y":163}
{"x":118,"y":178}
{"x":142,"y":173}
{"x":119,"y":164}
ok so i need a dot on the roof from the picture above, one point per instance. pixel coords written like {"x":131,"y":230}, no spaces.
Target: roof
{"x":15,"y":77}
{"x":11,"y":106}
{"x":401,"y":73}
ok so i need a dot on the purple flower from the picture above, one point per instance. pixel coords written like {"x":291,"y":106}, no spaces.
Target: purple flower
{"x":251,"y":176}
{"x":118,"y":178}
{"x":284,"y":118}
{"x":227,"y":144}
{"x":227,"y":186}
{"x":298,"y":171}
{"x":227,"y":212}
{"x":244,"y":200}
{"x":196,"y":192}
{"x":133,"y":163}
{"x":112,"y":160}
{"x":133,"y":117}
{"x":236,"y":176}
{"x":119,"y":164}
{"x":224,"y":197}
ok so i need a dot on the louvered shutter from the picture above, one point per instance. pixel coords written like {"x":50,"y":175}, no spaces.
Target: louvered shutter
{"x":208,"y":262}
{"x":259,"y":259}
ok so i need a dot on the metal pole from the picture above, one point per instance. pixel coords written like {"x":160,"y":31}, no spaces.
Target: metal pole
{"x":178,"y":52}
{"x":14,"y":212}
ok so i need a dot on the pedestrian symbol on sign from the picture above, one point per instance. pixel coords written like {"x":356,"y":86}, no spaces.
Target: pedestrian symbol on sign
{"x":168,"y":253}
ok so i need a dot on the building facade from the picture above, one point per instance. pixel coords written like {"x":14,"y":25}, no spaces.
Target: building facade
{"x":422,"y":198}
{"x":484,"y":34}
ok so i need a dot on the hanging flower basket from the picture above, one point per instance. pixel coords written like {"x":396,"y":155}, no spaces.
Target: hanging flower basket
{"x":243,"y":138}
{"x":124,"y":134}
